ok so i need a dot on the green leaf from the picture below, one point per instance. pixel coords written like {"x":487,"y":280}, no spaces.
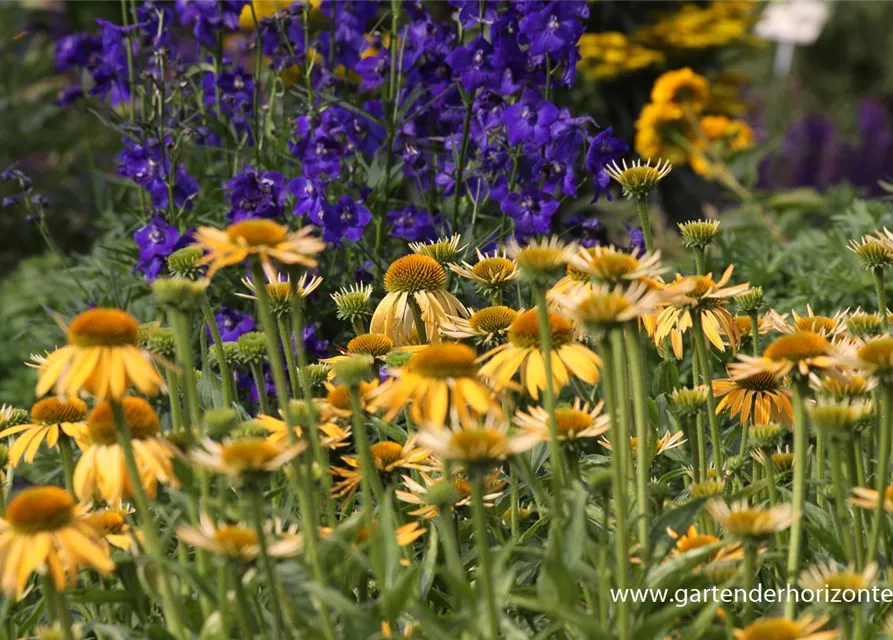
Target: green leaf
{"x":678,"y":520}
{"x":666,"y":377}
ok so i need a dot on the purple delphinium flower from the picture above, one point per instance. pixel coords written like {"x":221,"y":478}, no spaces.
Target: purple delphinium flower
{"x":145,"y":164}
{"x":588,"y":231}
{"x":344,"y":219}
{"x":411,"y":224}
{"x":529,"y":119}
{"x":77,"y":50}
{"x":636,"y":240}
{"x":552,"y":30}
{"x":156,"y":240}
{"x":231,"y":324}
{"x":308,"y":196}
{"x":255,"y":194}
{"x":532,"y":211}
{"x":603,"y":149}
{"x":315,"y":346}
{"x":207,"y":17}
{"x":473,"y":64}
{"x":373,"y":69}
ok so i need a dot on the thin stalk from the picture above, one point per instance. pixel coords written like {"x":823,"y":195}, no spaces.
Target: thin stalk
{"x":700,"y":262}
{"x":418,"y":319}
{"x":183,"y":344}
{"x":643,"y":446}
{"x":859,"y":524}
{"x":618,"y":481}
{"x":485,"y":571}
{"x":557,"y":468}
{"x":706,"y":378}
{"x":645,"y":222}
{"x":257,"y":519}
{"x":173,"y":396}
{"x":293,"y":374}
{"x":513,"y":493}
{"x":841,"y":512}
{"x":750,"y":570}
{"x":243,"y":608}
{"x":223,"y":600}
{"x":57,"y":607}
{"x":877,"y":526}
{"x":801,"y":443}
{"x":297,"y":321}
{"x":755,"y":332}
{"x":694,"y":439}
{"x":226,"y":374}
{"x":151,"y":537}
{"x":67,"y":453}
{"x":769,"y":466}
{"x":745,"y":434}
{"x":818,"y":471}
{"x":463,"y":152}
{"x":257,"y":375}
{"x":370,"y":483}
{"x":881,"y":292}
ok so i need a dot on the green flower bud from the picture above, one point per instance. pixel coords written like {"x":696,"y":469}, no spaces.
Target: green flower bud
{"x":230,"y":354}
{"x":688,"y":402}
{"x":352,"y":303}
{"x":707,"y":489}
{"x":161,"y":341}
{"x":249,"y":429}
{"x":750,"y":301}
{"x":183,"y":263}
{"x":443,"y":250}
{"x":220,"y":422}
{"x":443,"y":494}
{"x":353,"y":370}
{"x":396,"y":359}
{"x":765,"y":436}
{"x":315,"y":374}
{"x":698,"y":234}
{"x":252,"y":348}
{"x":179,"y":293}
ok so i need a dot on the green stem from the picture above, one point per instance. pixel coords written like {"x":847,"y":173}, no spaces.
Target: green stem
{"x":750,"y":570}
{"x":694,"y":438}
{"x":877,"y":526}
{"x":745,"y":434}
{"x":700,"y":262}
{"x":223,"y":600}
{"x":417,"y":319}
{"x":706,"y":379}
{"x":257,"y":519}
{"x":881,"y":292}
{"x":293,"y":375}
{"x":643,"y":445}
{"x":463,"y":152}
{"x":852,"y":469}
{"x":485,"y":571}
{"x":645,"y":222}
{"x":243,"y":609}
{"x":557,"y":469}
{"x":370,"y":483}
{"x":67,"y":454}
{"x":257,"y":373}
{"x":151,"y":537}
{"x":801,"y":443}
{"x":180,"y":323}
{"x":755,"y":332}
{"x":173,"y":396}
{"x":57,"y":606}
{"x":226,"y":374}
{"x":618,"y":481}
{"x":840,"y":495}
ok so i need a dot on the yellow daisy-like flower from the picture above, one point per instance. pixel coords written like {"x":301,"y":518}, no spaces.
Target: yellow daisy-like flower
{"x":491,"y":274}
{"x":439,"y":381}
{"x":820,"y":576}
{"x":843,"y":386}
{"x":102,"y":358}
{"x":743,"y":521}
{"x":745,"y":325}
{"x":482,"y":445}
{"x":602,"y":307}
{"x":874,"y":357}
{"x":523,"y":351}
{"x":866,"y":498}
{"x":487,"y":326}
{"x":404,"y":535}
{"x":235,"y":542}
{"x":263,"y":238}
{"x":278,"y":288}
{"x":658,"y":130}
{"x":830,"y":327}
{"x":692,"y":540}
{"x":331,"y":436}
{"x":609,"y":265}
{"x":577,"y":421}
{"x":669,"y":440}
{"x":806,"y":628}
{"x":414,"y":280}
{"x":112,"y":526}
{"x":707,"y":298}
{"x":760,"y":397}
{"x":683,"y":87}
{"x":338,"y":400}
{"x":100,"y":471}
{"x":541,"y":260}
{"x":800,"y":353}
{"x":421,"y":494}
{"x":637,"y":180}
{"x":49,"y":418}
{"x":443,"y":250}
{"x":237,"y":458}
{"x":388,"y":458}
{"x":43,"y":530}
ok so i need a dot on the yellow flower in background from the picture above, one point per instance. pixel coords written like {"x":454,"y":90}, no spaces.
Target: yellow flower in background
{"x":752,"y":523}
{"x":388,"y":457}
{"x":44,"y":531}
{"x":523,"y":352}
{"x":236,"y":542}
{"x":438,"y":382}
{"x":263,"y":238}
{"x":482,"y":445}
{"x":421,"y":494}
{"x":261,"y":9}
{"x":661,"y":130}
{"x":800,"y":352}
{"x":237,"y":458}
{"x":609,"y":54}
{"x":724,"y":136}
{"x":806,"y":628}
{"x":102,"y":358}
{"x":683,"y":87}
{"x":718,"y":24}
{"x":338,"y":401}
{"x":331,"y":436}
{"x":760,"y":397}
{"x":112,"y":526}
{"x":488,"y":326}
{"x":100,"y":471}
{"x":49,"y":417}
{"x":574,"y":422}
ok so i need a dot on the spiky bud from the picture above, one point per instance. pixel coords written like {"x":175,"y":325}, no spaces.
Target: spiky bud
{"x":183,"y":263}
{"x":161,"y":341}
{"x":179,"y":293}
{"x":251,"y":348}
{"x":750,"y":301}
{"x":352,"y":303}
{"x":220,"y":422}
{"x":698,"y":234}
{"x":687,"y":402}
{"x":353,"y":370}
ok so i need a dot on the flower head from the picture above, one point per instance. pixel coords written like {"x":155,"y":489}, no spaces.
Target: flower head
{"x":806,"y":628}
{"x":491,"y":274}
{"x":245,"y":457}
{"x":751,"y":523}
{"x":50,"y":419}
{"x":576,"y":421}
{"x":638,"y":180}
{"x":479,"y":446}
{"x":488,"y":326}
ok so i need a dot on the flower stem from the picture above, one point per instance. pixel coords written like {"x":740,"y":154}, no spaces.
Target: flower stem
{"x":243,"y":609}
{"x":485,"y":571}
{"x":370,"y":483}
{"x":706,"y":378}
{"x":151,"y":537}
{"x":256,"y":503}
{"x":700,"y":262}
{"x":881,"y":292}
{"x":257,"y":374}
{"x":293,"y":375}
{"x":840,"y":495}
{"x":226,"y":375}
{"x":67,"y":454}
{"x":557,"y":468}
{"x":750,"y":570}
{"x":618,"y":440}
{"x":463,"y":152}
{"x":645,"y":222}
{"x":417,"y":319}
{"x":884,"y":425}
{"x":57,"y":607}
{"x":173,"y":396}
{"x":180,"y":323}
{"x":801,"y":443}
{"x":852,"y":469}
{"x":643,"y":445}
{"x":755,"y":332}
{"x":818,"y":470}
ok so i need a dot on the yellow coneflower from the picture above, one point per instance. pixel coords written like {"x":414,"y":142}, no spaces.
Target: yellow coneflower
{"x":609,"y":265}
{"x":744,"y":324}
{"x":541,"y":261}
{"x":873,"y":252}
{"x":260,"y":237}
{"x":331,"y":436}
{"x":637,"y":180}
{"x":602,"y":307}
{"x":669,"y":440}
{"x":707,"y":298}
{"x":840,"y":417}
{"x":429,"y":499}
{"x":491,"y":274}
{"x":806,"y":628}
{"x":375,"y":345}
{"x":874,"y":357}
{"x":574,"y":422}
{"x":743,"y":521}
{"x":44,"y":530}
{"x":112,"y":526}
{"x":830,"y":327}
{"x":388,"y":458}
{"x":692,"y":540}
{"x":863,"y":326}
{"x":482,"y":445}
{"x":759,"y":397}
{"x":100,"y":472}
{"x":279,"y":288}
{"x":487,"y":326}
{"x":414,"y":280}
{"x":442,"y":250}
{"x":821,"y":576}
{"x":523,"y":351}
{"x":236,"y":542}
{"x":49,"y":417}
{"x":236,"y":458}
{"x":439,"y":381}
{"x":101,"y":358}
{"x":338,"y":400}
{"x":843,"y":385}
{"x":403,"y":535}
{"x":782,"y":459}
{"x":800,"y":352}
{"x":866,"y":498}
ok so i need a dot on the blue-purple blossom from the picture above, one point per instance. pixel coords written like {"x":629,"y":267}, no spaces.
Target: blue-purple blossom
{"x":588,"y":231}
{"x":532,"y":211}
{"x":473,"y":64}
{"x":344,"y":219}
{"x":411,"y":224}
{"x":530,"y":119}
{"x":207,"y":17}
{"x":603,"y":149}
{"x":308,"y":196}
{"x":156,"y":240}
{"x":256,"y":194}
{"x":231,"y":324}
{"x":636,"y":240}
{"x":145,"y":163}
{"x":552,"y":30}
